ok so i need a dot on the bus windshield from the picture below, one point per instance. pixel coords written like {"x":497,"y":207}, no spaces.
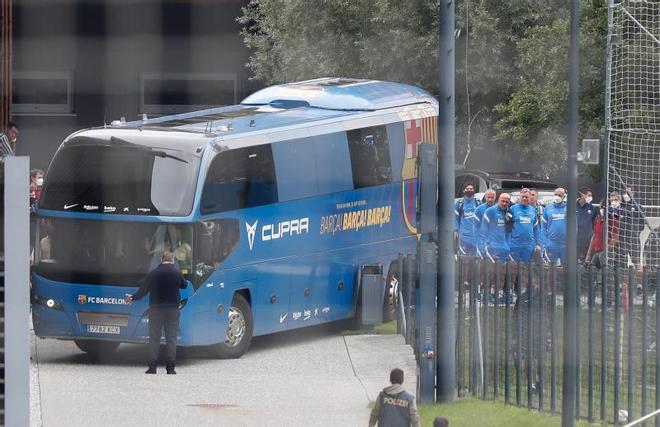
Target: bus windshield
{"x":108,"y":252}
{"x":124,"y":179}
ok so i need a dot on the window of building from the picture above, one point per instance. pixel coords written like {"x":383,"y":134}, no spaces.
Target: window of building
{"x":238,"y":179}
{"x":370,"y":156}
{"x":42,"y":92}
{"x":162,"y":93}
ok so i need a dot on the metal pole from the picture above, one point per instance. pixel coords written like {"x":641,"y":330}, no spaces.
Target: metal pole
{"x":570,"y":291}
{"x":446,"y":326}
{"x":606,"y":150}
{"x":17,"y":293}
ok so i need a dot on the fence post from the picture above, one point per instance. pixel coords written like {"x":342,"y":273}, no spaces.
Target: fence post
{"x":645,"y":357}
{"x":578,"y":365}
{"x":631,"y":341}
{"x":410,"y":279}
{"x":592,"y":303}
{"x":484,"y":333}
{"x":519,"y":336}
{"x":657,"y":345}
{"x":460,"y":375}
{"x":507,"y":335}
{"x":603,"y":343}
{"x":617,"y":343}
{"x":496,"y":336}
{"x":542,"y":340}
{"x":473,"y":332}
{"x":529,"y":337}
{"x":553,"y":339}
{"x":400,"y":291}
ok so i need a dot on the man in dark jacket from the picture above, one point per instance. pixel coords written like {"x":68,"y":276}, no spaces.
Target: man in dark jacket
{"x":162,"y":284}
{"x":394,"y":406}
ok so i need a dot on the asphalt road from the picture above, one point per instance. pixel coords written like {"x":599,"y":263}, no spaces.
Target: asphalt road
{"x":311,"y":377}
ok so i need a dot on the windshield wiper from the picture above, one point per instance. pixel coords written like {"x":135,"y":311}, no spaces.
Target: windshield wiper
{"x":158,"y":153}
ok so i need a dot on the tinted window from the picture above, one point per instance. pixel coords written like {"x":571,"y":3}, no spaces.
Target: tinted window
{"x":121,"y":179}
{"x":370,"y":156}
{"x":517,"y":185}
{"x":214,"y":242}
{"x":238,"y":179}
{"x":108,"y":252}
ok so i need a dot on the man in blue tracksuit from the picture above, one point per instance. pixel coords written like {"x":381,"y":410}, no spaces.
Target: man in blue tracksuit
{"x":525,"y":232}
{"x":553,"y":227}
{"x":489,"y":199}
{"x":495,"y":230}
{"x":466,"y":223}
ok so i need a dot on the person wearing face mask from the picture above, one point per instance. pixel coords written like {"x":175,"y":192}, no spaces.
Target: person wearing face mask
{"x":525,"y":231}
{"x":586,"y":214}
{"x":553,"y":227}
{"x":596,"y":252}
{"x":495,"y":230}
{"x":489,"y":199}
{"x":466,"y":222}
{"x":37,"y":178}
{"x":632,"y":225}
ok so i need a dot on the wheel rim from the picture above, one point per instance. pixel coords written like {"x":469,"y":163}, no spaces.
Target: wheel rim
{"x":393,"y":292}
{"x":235,"y":327}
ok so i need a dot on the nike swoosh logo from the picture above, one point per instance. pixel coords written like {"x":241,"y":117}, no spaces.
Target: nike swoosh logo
{"x":283,"y":317}
{"x":70,"y":206}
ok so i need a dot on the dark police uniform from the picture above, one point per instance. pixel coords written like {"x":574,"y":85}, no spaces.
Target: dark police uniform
{"x":394,"y":407}
{"x":586,"y":215}
{"x":162,"y":284}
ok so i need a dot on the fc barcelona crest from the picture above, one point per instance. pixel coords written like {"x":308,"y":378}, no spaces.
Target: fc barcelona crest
{"x":416,"y":131}
{"x":82,"y":299}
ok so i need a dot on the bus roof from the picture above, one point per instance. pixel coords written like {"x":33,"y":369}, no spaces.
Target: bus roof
{"x":292,"y":103}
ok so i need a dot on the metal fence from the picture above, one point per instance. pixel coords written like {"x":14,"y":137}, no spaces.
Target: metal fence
{"x":509,"y":337}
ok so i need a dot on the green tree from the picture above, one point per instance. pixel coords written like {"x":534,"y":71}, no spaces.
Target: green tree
{"x":512,"y":61}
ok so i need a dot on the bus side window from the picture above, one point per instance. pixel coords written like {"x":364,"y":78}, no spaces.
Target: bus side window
{"x":214,"y":241}
{"x":238,"y":179}
{"x":370,"y":156}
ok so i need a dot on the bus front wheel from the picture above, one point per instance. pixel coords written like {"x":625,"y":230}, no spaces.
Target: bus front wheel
{"x":239,"y":330}
{"x":96,"y":348}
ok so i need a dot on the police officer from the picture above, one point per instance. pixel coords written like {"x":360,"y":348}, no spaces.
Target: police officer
{"x":494,"y":229}
{"x":466,"y":223}
{"x":489,"y":199}
{"x":525,"y":231}
{"x":586,"y":215}
{"x":394,"y":406}
{"x":162,"y":284}
{"x":553,"y":227}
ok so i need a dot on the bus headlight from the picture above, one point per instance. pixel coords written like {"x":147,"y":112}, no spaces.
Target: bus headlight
{"x":48,"y":302}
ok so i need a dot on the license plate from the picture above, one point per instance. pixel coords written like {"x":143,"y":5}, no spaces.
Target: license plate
{"x":103,"y":329}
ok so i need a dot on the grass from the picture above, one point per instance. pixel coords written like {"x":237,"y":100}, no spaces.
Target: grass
{"x":476,"y":412}
{"x":388,"y":328}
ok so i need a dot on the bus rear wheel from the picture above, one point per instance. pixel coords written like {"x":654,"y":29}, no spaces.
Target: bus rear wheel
{"x":96,"y":348}
{"x":391,"y":299}
{"x":239,"y":330}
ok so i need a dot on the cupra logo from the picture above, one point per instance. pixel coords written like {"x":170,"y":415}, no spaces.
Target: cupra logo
{"x":251,"y":231}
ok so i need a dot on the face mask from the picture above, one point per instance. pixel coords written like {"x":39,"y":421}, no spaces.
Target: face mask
{"x":626,"y":197}
{"x":557,"y":199}
{"x":615,"y":204}
{"x":40,"y":182}
{"x":602,"y":211}
{"x":468,"y":193}
{"x":589,"y":199}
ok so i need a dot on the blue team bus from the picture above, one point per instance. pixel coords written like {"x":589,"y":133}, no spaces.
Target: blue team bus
{"x":271,"y":207}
